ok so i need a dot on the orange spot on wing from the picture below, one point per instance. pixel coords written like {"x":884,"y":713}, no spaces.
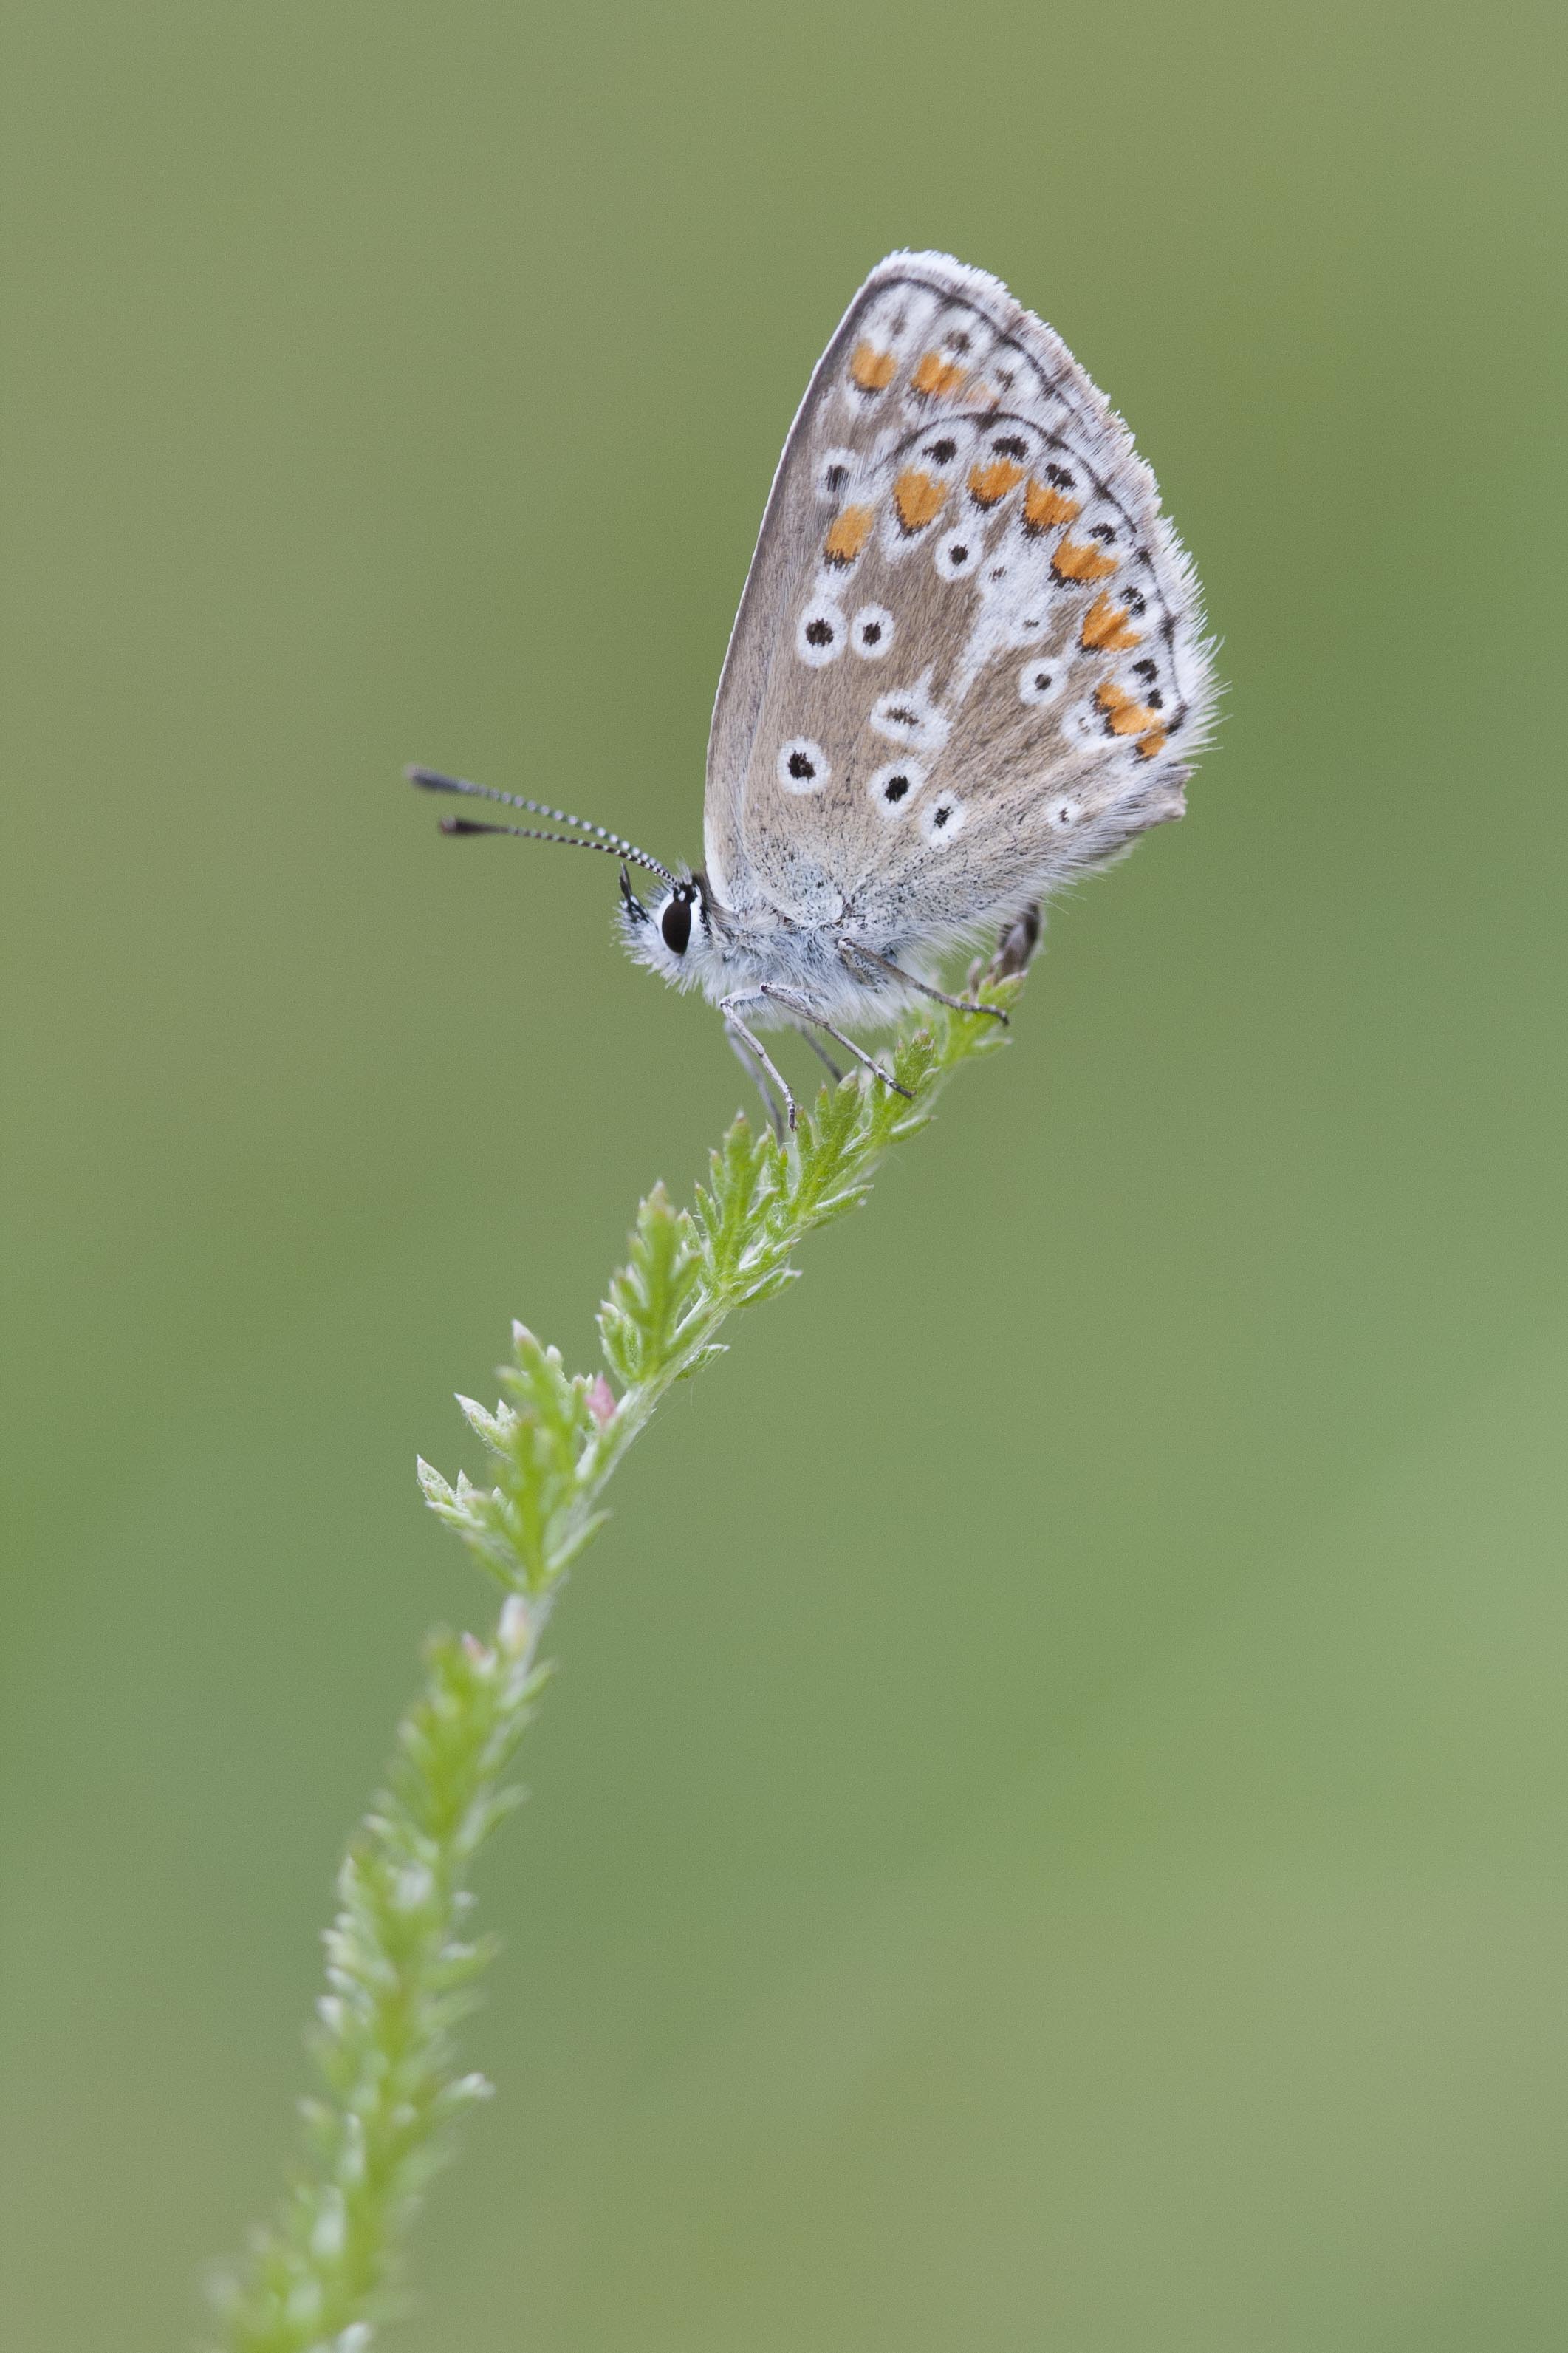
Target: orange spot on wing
{"x":918,"y":498}
{"x":1105,"y":628}
{"x":1044,"y":506}
{"x":1126,"y":716}
{"x":989,"y":483}
{"x":937,"y":376}
{"x":873,"y":370}
{"x":1147,"y":745}
{"x":848,"y":535}
{"x":1081,"y":560}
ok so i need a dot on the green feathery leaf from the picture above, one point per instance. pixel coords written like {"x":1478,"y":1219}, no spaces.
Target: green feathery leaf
{"x":400,"y":1967}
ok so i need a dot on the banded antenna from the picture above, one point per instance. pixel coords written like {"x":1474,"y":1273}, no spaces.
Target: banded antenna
{"x":613,"y":845}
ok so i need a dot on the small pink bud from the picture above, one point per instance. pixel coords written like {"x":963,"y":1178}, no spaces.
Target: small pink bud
{"x":474,"y":1647}
{"x":601,"y":1400}
{"x":521,"y":1337}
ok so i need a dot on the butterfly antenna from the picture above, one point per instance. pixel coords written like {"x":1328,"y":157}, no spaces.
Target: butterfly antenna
{"x":613,"y":845}
{"x":463,"y":825}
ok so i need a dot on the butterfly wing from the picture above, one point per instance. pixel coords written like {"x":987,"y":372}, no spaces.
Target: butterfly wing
{"x":968,"y":662}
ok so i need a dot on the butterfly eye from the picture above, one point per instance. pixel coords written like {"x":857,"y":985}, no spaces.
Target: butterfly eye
{"x":803,"y":765}
{"x":871,"y":632}
{"x":675,"y":923}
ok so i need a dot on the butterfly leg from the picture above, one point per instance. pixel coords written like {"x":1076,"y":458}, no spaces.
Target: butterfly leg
{"x":851,"y":950}
{"x":753,"y":1070}
{"x":751,"y":1051}
{"x":823,"y":1056}
{"x":799,"y":1005}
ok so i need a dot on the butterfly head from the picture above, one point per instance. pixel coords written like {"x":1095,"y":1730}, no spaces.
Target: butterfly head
{"x":674,"y":937}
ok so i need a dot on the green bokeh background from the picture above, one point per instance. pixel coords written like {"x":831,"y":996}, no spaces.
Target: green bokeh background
{"x":1052,"y":1828}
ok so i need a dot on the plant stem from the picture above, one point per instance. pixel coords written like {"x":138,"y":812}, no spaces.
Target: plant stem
{"x":400,"y":1967}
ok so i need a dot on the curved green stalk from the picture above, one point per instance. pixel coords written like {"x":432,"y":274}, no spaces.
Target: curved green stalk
{"x":400,"y":1963}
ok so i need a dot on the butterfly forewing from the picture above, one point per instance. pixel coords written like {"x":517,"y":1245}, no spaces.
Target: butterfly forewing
{"x":967,"y":662}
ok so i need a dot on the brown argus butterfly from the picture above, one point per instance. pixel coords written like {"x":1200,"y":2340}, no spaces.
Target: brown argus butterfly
{"x":968,"y":666}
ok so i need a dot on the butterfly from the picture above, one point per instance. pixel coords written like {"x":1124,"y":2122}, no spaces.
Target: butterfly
{"x":968,"y":667}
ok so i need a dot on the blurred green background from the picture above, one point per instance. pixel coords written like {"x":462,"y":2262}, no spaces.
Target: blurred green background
{"x":1052,"y":1829}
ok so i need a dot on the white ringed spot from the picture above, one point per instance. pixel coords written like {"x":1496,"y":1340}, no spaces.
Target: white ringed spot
{"x":909,"y":717}
{"x":958,"y":552}
{"x":871,"y":632}
{"x":942,"y":820}
{"x":803,"y":765}
{"x":894,"y":787}
{"x":819,"y":633}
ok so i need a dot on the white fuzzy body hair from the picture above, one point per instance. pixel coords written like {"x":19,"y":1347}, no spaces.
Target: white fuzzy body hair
{"x":730,"y":955}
